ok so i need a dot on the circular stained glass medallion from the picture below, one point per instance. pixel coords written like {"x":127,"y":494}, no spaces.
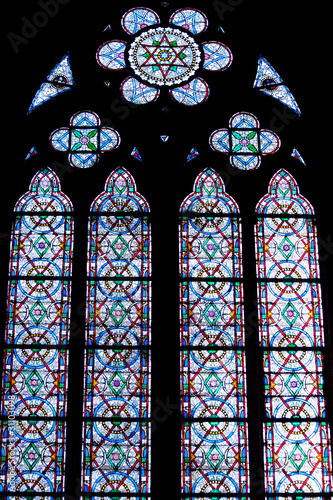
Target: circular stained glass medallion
{"x":164,"y":56}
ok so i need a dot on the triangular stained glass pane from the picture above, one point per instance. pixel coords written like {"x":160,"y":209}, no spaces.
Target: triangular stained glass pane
{"x":192,"y":154}
{"x":295,"y":154}
{"x":58,"y":81}
{"x":33,"y":151}
{"x":135,"y":153}
{"x":269,"y":82}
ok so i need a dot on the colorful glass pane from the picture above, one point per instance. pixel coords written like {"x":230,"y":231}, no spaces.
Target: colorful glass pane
{"x":296,"y":435}
{"x":213,"y":387}
{"x":34,"y":392}
{"x":116,"y":434}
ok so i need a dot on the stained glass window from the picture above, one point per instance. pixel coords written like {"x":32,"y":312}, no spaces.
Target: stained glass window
{"x":296,"y":436}
{"x":116,"y":433}
{"x":34,"y":392}
{"x":213,"y":387}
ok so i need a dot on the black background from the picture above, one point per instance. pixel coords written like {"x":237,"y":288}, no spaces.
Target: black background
{"x":294,"y":38}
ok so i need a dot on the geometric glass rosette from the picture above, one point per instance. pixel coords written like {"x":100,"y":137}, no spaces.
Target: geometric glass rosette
{"x":297,"y":455}
{"x":213,"y":387}
{"x":116,"y":431}
{"x":34,"y":384}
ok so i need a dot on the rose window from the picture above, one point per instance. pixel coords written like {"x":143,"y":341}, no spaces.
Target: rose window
{"x":164,"y":56}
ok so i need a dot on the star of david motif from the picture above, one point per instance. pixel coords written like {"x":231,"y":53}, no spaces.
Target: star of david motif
{"x":165,"y":55}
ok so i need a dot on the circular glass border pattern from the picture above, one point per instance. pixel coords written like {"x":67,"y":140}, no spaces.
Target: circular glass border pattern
{"x":164,"y":56}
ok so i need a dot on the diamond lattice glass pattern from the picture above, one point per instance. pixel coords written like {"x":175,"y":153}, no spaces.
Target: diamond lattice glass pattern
{"x":296,"y":435}
{"x":213,"y":391}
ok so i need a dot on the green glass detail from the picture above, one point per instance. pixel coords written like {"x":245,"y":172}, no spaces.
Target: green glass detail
{"x":297,"y":457}
{"x":116,"y":383}
{"x":214,"y":457}
{"x":37,"y":312}
{"x":210,"y":247}
{"x":213,"y":384}
{"x":251,"y":135}
{"x":119,"y":246}
{"x":31,"y":456}
{"x":77,"y":133}
{"x":91,"y":146}
{"x":34,"y":382}
{"x":118,"y":313}
{"x":41,"y":245}
{"x":39,"y":281}
{"x":115,"y":457}
{"x":212,"y":313}
{"x":290,"y":313}
{"x":286,"y":247}
{"x":294,"y":384}
{"x":252,"y":148}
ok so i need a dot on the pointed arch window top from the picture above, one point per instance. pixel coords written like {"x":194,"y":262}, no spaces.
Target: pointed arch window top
{"x":121,"y":188}
{"x":209,"y":195}
{"x":44,"y":195}
{"x":284,"y":197}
